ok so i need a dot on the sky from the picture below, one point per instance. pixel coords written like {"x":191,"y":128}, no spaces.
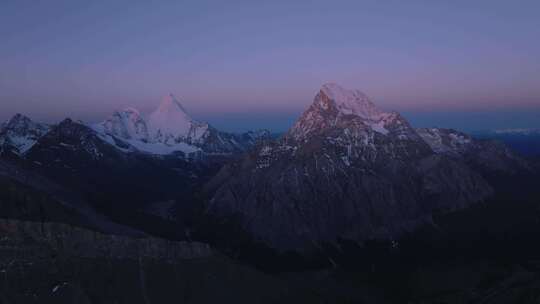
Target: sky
{"x":258,"y":64}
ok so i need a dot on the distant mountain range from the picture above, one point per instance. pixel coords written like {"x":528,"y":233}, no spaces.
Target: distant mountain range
{"x":122,"y":165}
{"x":148,"y":203}
{"x":170,"y":129}
{"x":525,"y":141}
{"x":166,"y":131}
{"x":345,"y":169}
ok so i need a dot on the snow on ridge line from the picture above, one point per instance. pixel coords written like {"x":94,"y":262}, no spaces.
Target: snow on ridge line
{"x":127,"y":124}
{"x":168,"y":129}
{"x":444,"y":140}
{"x":156,"y":148}
{"x":332,"y":97}
{"x":163,"y":149}
{"x":352,"y":102}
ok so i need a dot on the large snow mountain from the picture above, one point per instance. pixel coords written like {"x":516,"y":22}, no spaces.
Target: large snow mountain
{"x":347,"y":120}
{"x":346,"y":169}
{"x":335,"y":107}
{"x":170,"y":129}
{"x":170,"y":123}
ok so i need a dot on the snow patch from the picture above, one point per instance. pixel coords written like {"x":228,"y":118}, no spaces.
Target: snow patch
{"x":57,"y":287}
{"x":379,"y":127}
{"x":134,"y":145}
{"x":162,"y":148}
{"x":351,"y":102}
{"x":444,"y":140}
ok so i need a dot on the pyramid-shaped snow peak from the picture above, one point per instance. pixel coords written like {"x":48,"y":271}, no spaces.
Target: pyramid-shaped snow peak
{"x":167,"y":130}
{"x":170,"y":120}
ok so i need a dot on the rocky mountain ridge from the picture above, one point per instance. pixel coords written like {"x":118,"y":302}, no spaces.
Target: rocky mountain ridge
{"x":80,"y":242}
{"x":19,"y":134}
{"x":169,"y":130}
{"x":115,"y":213}
{"x":349,"y":170}
{"x":487,"y":155}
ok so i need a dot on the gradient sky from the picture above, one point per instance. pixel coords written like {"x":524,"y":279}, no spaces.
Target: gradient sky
{"x":251,"y":64}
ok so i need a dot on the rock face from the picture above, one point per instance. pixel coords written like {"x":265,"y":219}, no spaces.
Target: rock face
{"x":80,"y":242}
{"x":57,"y":263}
{"x":19,"y":134}
{"x":43,"y":262}
{"x":346,"y":169}
{"x":73,"y":144}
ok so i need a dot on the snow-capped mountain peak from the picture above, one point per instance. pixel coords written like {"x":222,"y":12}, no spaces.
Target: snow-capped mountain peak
{"x":335,"y":107}
{"x":167,"y":130}
{"x":170,"y":104}
{"x":126,"y":124}
{"x":20,"y":133}
{"x":170,"y":121}
{"x":348,"y":101}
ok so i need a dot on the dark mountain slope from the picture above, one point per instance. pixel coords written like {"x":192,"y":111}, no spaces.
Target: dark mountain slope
{"x":346,"y":169}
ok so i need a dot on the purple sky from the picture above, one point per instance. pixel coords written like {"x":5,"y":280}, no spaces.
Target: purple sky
{"x":251,"y":64}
